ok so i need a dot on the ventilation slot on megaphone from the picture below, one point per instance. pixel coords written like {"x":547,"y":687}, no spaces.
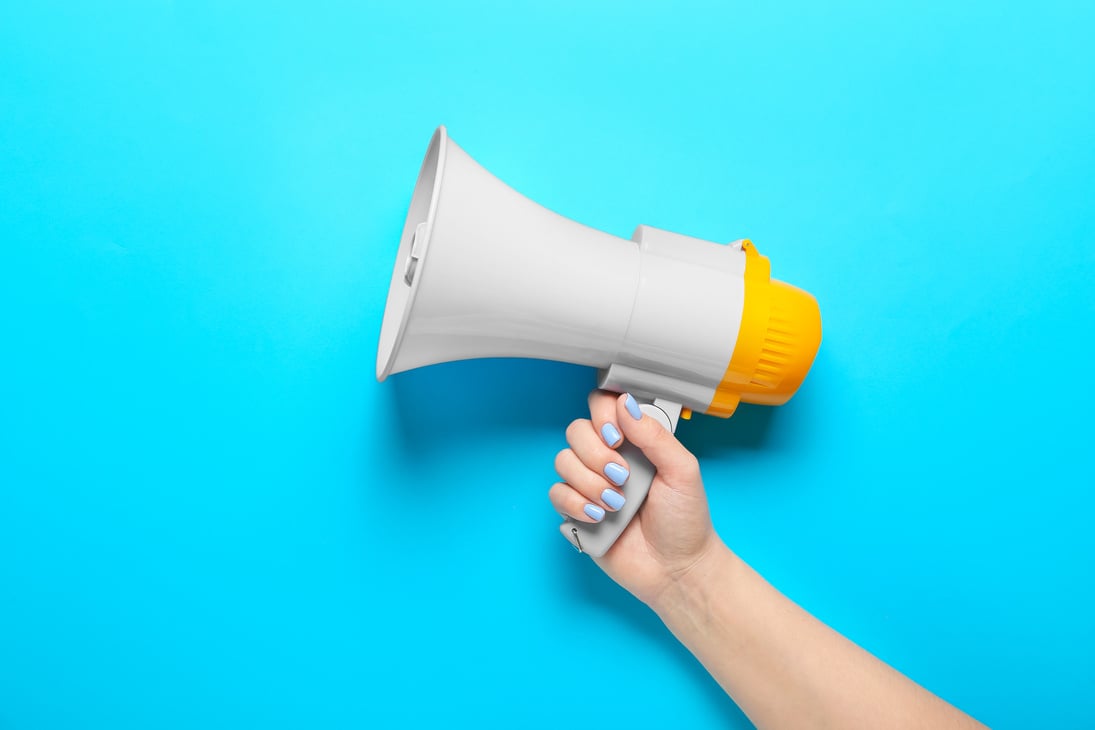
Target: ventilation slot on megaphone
{"x":417,"y":246}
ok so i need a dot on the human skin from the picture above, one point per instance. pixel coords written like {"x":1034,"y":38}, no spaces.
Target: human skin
{"x":783,"y":667}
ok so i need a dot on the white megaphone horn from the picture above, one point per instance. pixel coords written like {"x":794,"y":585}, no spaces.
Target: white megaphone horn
{"x":682,"y":324}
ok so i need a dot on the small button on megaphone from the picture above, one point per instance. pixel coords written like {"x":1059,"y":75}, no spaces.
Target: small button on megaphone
{"x":681,"y":323}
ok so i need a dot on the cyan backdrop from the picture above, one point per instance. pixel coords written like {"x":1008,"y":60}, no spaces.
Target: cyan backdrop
{"x":211,"y":515}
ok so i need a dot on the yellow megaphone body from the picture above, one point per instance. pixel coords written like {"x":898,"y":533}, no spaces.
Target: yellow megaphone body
{"x":681,"y":323}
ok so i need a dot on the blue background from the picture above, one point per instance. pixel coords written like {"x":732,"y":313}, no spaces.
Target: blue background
{"x":211,"y":515}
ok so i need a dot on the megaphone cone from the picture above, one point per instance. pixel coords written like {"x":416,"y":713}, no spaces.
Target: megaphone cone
{"x":483,"y":271}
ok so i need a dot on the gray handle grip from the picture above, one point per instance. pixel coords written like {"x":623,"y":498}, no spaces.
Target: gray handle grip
{"x":596,"y":538}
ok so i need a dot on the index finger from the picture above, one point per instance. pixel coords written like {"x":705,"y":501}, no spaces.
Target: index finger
{"x":602,"y":411}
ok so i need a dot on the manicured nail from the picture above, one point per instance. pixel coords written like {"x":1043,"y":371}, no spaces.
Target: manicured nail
{"x":633,"y":407}
{"x":612,"y":498}
{"x":610,"y":434}
{"x":594,"y":512}
{"x":616,"y":473}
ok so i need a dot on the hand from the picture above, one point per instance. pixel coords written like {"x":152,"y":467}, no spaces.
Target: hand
{"x":672,"y":533}
{"x":781,"y":665}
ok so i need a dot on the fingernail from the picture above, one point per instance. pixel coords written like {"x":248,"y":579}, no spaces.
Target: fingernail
{"x":616,"y":473}
{"x":612,"y":498}
{"x":594,"y":512}
{"x":610,"y":434}
{"x":633,"y":407}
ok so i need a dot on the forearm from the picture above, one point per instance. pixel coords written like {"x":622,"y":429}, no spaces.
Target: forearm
{"x":783,"y":667}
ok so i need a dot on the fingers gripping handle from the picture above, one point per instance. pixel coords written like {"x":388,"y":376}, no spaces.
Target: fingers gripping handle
{"x":596,"y":538}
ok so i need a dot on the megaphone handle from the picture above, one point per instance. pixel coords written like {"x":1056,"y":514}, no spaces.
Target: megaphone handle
{"x":596,"y":538}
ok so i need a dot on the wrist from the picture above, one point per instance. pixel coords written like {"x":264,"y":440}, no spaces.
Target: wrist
{"x":690,"y":589}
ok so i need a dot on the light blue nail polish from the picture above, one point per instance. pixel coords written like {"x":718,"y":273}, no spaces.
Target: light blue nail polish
{"x":616,"y":473}
{"x":594,"y":512}
{"x":612,"y":498}
{"x":610,"y":434}
{"x":633,"y":407}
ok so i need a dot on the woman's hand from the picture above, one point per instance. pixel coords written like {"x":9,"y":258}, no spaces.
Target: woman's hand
{"x":781,"y":665}
{"x":672,"y":533}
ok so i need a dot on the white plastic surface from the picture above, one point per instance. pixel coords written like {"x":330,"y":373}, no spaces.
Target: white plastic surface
{"x":499,"y":276}
{"x":642,"y":383}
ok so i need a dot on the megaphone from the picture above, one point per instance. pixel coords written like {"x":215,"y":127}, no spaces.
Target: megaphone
{"x":681,"y":323}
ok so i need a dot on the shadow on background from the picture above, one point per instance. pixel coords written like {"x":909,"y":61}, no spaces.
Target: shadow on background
{"x":747,"y":430}
{"x":467,"y":400}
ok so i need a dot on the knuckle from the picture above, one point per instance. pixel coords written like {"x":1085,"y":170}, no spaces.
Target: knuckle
{"x":602,"y":406}
{"x":575,"y":428}
{"x":599,"y":396}
{"x":683,"y":459}
{"x":575,"y":501}
{"x":690,"y":463}
{"x":562,"y":458}
{"x":659,"y":436}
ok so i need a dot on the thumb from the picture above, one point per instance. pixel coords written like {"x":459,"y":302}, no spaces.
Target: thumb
{"x":675,"y":464}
